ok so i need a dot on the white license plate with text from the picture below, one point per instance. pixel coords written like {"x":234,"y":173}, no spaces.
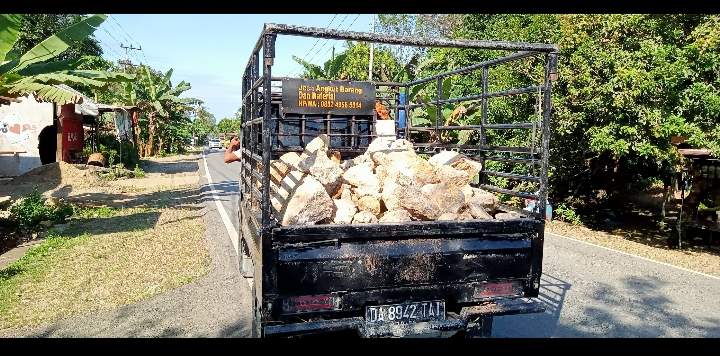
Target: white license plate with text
{"x":406,"y":313}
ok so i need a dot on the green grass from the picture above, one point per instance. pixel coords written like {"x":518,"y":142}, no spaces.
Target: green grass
{"x":33,"y":266}
{"x":105,"y":258}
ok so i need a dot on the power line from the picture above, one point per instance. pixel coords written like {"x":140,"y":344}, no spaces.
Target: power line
{"x":328,"y":51}
{"x":136,"y":42}
{"x":316,"y":42}
{"x":323,"y":46}
{"x":113,"y":37}
{"x":119,"y":56}
{"x":326,"y":41}
{"x":125,"y":40}
{"x":130,"y":40}
{"x":118,"y":32}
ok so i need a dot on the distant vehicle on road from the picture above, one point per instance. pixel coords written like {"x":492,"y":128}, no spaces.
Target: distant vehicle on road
{"x":215,"y":143}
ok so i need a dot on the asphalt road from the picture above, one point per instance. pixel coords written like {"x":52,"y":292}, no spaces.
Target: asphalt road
{"x":588,"y":291}
{"x":225,"y":181}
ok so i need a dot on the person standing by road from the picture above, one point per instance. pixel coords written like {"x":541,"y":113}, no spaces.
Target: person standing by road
{"x":232,"y":154}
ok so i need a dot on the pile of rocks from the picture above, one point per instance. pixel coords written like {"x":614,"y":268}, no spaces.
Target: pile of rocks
{"x":388,"y":183}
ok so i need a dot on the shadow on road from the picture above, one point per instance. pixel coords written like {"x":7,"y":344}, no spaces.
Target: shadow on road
{"x":222,"y":189}
{"x":186,"y":165}
{"x":553,"y":292}
{"x":642,"y":309}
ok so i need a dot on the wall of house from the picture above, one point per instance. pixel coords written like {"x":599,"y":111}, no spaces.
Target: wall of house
{"x":20,"y":125}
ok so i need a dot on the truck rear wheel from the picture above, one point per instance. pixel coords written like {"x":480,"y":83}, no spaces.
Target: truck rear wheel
{"x":246,"y":263}
{"x":256,"y":324}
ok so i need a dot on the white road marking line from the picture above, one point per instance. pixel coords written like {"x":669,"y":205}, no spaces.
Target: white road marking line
{"x":223,"y":214}
{"x":640,"y":257}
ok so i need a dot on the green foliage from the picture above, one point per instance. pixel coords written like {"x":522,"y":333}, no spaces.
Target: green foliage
{"x":35,"y":28}
{"x":626,"y":83}
{"x":228,"y":125}
{"x":139,"y":173}
{"x":111,"y":148}
{"x":203,"y":125}
{"x":353,"y":64}
{"x":31,"y":210}
{"x":38,"y":69}
{"x":93,"y":212}
{"x":422,"y":25}
{"x":357,"y":62}
{"x":567,"y":213}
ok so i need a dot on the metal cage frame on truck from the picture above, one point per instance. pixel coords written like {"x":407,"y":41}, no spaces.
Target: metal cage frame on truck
{"x":262,"y":140}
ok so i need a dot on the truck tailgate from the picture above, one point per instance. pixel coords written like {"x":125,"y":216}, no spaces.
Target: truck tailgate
{"x":434,"y":263}
{"x":383,"y":264}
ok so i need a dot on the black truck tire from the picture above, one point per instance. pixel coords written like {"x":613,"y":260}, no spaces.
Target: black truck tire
{"x":246,"y":263}
{"x":256,"y":325}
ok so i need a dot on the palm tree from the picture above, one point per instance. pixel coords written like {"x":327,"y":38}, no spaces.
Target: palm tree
{"x":29,"y":73}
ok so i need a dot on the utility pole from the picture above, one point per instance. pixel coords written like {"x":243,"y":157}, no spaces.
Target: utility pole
{"x":127,"y":62}
{"x":372,"y":48}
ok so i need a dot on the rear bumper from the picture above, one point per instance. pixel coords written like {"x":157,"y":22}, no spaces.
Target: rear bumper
{"x":467,"y":314}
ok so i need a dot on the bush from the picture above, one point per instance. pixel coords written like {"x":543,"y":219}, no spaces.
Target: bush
{"x":31,"y":210}
{"x":568,"y":214}
{"x":139,"y":173}
{"x":110,"y":148}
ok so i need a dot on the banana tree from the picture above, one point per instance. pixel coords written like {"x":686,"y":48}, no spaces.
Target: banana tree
{"x":154,"y":97}
{"x":30,"y":73}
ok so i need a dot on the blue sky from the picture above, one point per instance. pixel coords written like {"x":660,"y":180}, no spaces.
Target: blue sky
{"x":211,"y":51}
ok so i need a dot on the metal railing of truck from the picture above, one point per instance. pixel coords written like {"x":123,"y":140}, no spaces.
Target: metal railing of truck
{"x":262,"y":132}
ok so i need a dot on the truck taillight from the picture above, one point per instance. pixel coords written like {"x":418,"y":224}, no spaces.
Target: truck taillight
{"x":311,"y":303}
{"x":504,"y":289}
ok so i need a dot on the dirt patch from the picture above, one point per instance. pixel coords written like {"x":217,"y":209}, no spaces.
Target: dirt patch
{"x":173,"y":165}
{"x":56,"y":175}
{"x":418,"y":268}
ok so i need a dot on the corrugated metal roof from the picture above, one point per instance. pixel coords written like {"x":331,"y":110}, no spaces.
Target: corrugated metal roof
{"x":86,"y":107}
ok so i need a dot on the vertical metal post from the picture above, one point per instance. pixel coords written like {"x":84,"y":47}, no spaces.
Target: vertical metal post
{"x":483,"y":122}
{"x":268,"y":284}
{"x":550,"y":72}
{"x":372,"y":50}
{"x":408,"y":119}
{"x":243,"y":135}
{"x":438,"y":110}
{"x":252,"y":111}
{"x":269,"y":54}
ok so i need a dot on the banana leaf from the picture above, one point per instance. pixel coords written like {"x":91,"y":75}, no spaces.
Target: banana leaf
{"x":9,"y":28}
{"x":183,"y":86}
{"x":42,"y":92}
{"x":55,"y":44}
{"x":41,"y":68}
{"x":114,"y":77}
{"x":314,"y":70}
{"x":165,"y":83}
{"x":130,"y":94}
{"x":62,"y":78}
{"x":147,"y":82}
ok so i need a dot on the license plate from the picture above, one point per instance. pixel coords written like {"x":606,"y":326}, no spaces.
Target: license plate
{"x":406,"y":312}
